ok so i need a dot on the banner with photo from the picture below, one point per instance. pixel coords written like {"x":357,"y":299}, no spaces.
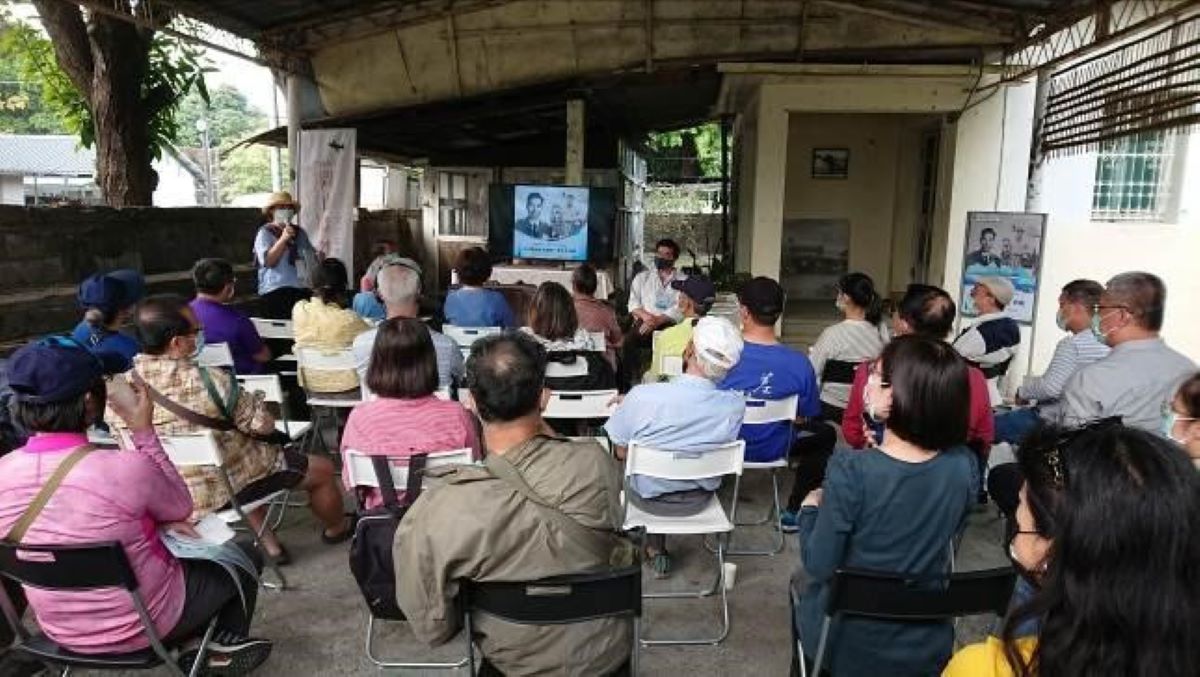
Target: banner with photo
{"x":327,"y":191}
{"x":1009,"y":245}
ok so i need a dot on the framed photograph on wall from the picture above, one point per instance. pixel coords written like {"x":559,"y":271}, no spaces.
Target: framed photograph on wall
{"x":830,"y":163}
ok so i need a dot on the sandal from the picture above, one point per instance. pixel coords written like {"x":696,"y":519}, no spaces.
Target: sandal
{"x":341,"y":537}
{"x":284,"y":557}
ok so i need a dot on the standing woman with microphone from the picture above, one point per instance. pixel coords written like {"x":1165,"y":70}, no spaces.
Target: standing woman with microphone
{"x":284,"y":257}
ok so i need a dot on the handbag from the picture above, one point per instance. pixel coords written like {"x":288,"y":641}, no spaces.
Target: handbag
{"x":371,"y":559}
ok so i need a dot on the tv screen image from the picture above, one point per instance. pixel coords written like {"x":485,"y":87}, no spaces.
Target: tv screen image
{"x":550,"y":222}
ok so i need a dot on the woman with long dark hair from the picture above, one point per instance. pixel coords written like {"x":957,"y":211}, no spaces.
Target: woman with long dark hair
{"x":857,"y":338}
{"x":554,"y":323}
{"x":893,"y":508}
{"x":1106,"y":533}
{"x":326,"y":321}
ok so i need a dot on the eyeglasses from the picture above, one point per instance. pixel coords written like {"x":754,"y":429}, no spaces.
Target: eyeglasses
{"x":1098,"y":307}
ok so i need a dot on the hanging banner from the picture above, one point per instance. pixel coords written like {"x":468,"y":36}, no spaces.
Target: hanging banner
{"x":327,"y":191}
{"x":1005,"y":244}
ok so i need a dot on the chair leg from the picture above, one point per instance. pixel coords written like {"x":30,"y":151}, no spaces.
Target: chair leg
{"x":256,"y":534}
{"x":718,"y":586}
{"x":381,"y":663}
{"x":774,"y":514}
{"x":202,"y":650}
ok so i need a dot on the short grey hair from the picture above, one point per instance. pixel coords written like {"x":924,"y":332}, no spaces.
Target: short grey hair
{"x":1143,"y":294}
{"x":398,"y":284}
{"x":711,"y":370}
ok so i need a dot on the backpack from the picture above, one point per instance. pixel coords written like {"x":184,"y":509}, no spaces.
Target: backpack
{"x":371,"y":548}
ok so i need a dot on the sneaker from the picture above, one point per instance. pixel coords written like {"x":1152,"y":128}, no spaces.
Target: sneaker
{"x":229,"y":655}
{"x":788,"y":522}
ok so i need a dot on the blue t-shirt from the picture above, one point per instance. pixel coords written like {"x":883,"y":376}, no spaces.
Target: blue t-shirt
{"x":467,"y":307}
{"x":284,"y":273}
{"x":773,"y":372}
{"x":101,"y":340}
{"x":368,"y":307}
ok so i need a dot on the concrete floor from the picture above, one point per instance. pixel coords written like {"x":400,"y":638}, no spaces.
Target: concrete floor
{"x":319,"y":624}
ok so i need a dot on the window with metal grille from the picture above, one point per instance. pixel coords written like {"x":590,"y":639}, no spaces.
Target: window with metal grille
{"x":452,"y":204}
{"x":1133,"y":178}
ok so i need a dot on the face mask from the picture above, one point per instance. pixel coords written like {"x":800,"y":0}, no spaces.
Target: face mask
{"x":1060,"y":320}
{"x":284,"y":216}
{"x":1169,"y":419}
{"x":199,"y":344}
{"x":1099,"y":333}
{"x":868,"y":405}
{"x":1027,"y":574}
{"x":663,"y":264}
{"x":839,"y":303}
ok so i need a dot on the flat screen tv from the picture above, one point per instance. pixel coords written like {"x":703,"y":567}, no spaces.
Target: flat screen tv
{"x":551,"y":223}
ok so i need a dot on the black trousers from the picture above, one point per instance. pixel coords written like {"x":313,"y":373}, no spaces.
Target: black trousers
{"x":810,"y":453}
{"x":209,"y":591}
{"x":486,"y":669}
{"x":278,"y":304}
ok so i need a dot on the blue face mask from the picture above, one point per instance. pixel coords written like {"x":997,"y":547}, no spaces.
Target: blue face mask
{"x":663,"y":264}
{"x":1096,"y":330}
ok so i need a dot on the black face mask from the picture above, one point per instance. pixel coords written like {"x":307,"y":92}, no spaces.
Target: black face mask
{"x":1030,"y":576}
{"x":663,"y":264}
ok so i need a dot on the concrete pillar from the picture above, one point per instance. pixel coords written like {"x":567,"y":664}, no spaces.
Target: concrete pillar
{"x":293,"y":118}
{"x":770,"y":174}
{"x":575,"y":141}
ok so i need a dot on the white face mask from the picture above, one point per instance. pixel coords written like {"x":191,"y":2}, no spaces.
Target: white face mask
{"x":284,"y":216}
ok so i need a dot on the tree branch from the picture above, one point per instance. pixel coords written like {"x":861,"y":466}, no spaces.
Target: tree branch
{"x":63,"y":21}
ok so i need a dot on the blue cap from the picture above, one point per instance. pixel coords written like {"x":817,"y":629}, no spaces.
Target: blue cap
{"x":112,"y":291}
{"x":56,"y":369}
{"x":698,"y":288}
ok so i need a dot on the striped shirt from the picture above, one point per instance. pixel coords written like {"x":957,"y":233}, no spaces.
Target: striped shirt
{"x":1072,"y":353}
{"x":400,"y":428}
{"x":846,"y":341}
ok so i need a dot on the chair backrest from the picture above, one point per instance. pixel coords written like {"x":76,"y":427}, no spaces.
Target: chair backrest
{"x":759,"y":412}
{"x":85,"y":566}
{"x":896,"y":597}
{"x":318,"y":359}
{"x":215,"y":355}
{"x":580,"y":404}
{"x":192,"y":449}
{"x":839,"y":371}
{"x":361,"y":471}
{"x":559,"y":600}
{"x":671,"y":365}
{"x":654,"y":338}
{"x":274,"y":329}
{"x":267,"y":384}
{"x":465,"y":336}
{"x":564,"y":370}
{"x":443,"y":393}
{"x":684,"y":465}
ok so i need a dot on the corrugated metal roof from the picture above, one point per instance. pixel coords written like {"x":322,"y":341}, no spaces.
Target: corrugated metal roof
{"x":45,"y":155}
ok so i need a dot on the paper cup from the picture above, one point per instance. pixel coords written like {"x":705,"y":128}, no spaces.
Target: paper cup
{"x":730,"y":575}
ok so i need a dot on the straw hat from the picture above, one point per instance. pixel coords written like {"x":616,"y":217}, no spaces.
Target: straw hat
{"x":280,"y":199}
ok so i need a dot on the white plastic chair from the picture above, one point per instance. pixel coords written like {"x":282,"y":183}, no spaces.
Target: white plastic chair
{"x":671,"y":365}
{"x":466,"y":336}
{"x":272,"y":391}
{"x":202,"y":450}
{"x":580,"y":404}
{"x":215,"y":355}
{"x":560,"y":370}
{"x":767,"y":412}
{"x":274,"y":329}
{"x":323,"y":404}
{"x":361,"y":472}
{"x":670,"y":465}
{"x":599,"y":344}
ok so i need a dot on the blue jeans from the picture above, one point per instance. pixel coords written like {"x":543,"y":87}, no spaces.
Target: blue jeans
{"x":1014,"y":426}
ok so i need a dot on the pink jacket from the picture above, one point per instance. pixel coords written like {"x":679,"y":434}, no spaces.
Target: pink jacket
{"x":108,"y":496}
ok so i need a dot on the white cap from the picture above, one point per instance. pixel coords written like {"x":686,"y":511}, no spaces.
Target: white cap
{"x":717,"y":341}
{"x":999,"y":287}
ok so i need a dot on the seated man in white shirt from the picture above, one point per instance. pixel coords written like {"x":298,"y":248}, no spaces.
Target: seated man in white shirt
{"x":991,"y":342}
{"x":1075,"y":351}
{"x":654,"y":305}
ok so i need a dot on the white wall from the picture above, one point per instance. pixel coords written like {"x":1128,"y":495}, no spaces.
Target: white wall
{"x":12,"y":189}
{"x":176,"y":186}
{"x":1077,"y":247}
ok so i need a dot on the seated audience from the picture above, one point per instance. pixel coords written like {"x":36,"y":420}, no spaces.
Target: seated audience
{"x":367,"y":302}
{"x":893,"y":508}
{"x":399,"y":285}
{"x":471,"y":305}
{"x":696,"y":297}
{"x":770,"y":370}
{"x":924,"y":311}
{"x":654,"y":305}
{"x":326,"y":323}
{"x":1141,"y":372}
{"x":553,"y":323}
{"x":1075,"y":351}
{"x":476,"y":523}
{"x":1107,"y":537}
{"x":406,"y":418}
{"x":991,"y":341}
{"x":124,"y":496}
{"x":281,"y":250}
{"x":222,"y":323}
{"x":594,"y":314}
{"x":256,"y":464}
{"x":1181,"y":420}
{"x":858,"y":338}
{"x":686,"y":414}
{"x":108,"y":300}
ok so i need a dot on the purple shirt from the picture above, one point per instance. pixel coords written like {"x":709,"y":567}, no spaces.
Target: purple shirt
{"x":224,"y":324}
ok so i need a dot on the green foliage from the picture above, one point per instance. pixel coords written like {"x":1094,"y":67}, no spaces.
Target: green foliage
{"x":176,"y":68}
{"x":246,"y":170}
{"x":687,"y":153}
{"x":24,"y":108}
{"x":229,"y":114}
